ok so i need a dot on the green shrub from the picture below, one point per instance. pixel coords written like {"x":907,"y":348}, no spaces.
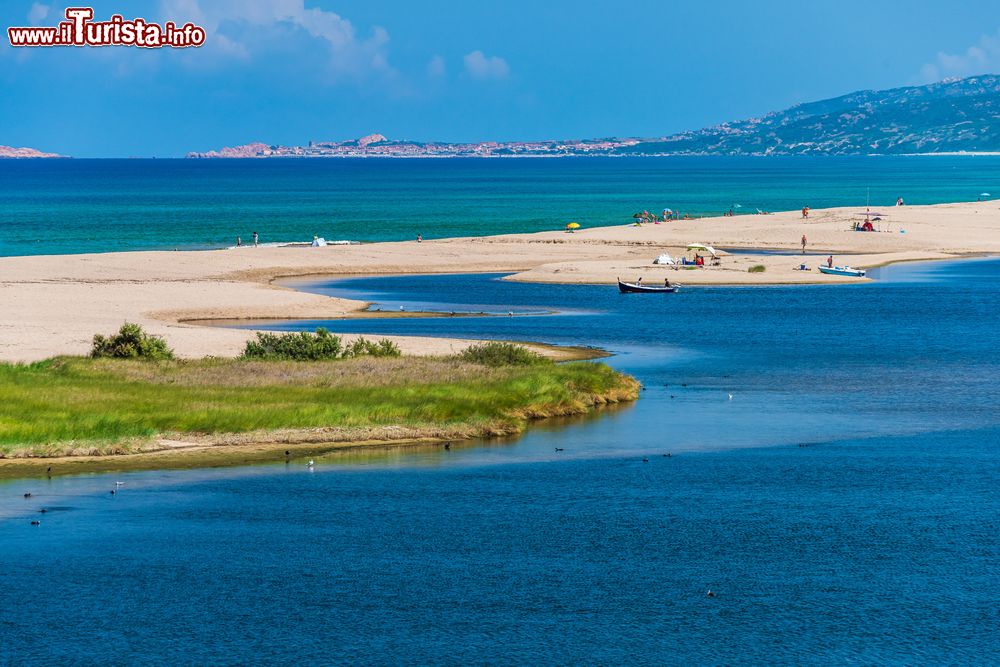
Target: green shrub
{"x":131,"y":342}
{"x":757,"y":268}
{"x":322,"y":345}
{"x":362,"y":347}
{"x":501,"y":354}
{"x":297,"y":346}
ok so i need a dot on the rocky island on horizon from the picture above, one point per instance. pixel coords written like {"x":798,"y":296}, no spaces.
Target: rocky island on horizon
{"x":18,"y":153}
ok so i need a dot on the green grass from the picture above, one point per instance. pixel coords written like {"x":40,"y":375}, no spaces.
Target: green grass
{"x":78,"y":405}
{"x":757,"y":268}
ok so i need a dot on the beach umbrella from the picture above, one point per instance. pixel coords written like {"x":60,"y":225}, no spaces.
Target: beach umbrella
{"x":985,"y":194}
{"x":667,"y":210}
{"x":573,"y":225}
{"x":701,"y":246}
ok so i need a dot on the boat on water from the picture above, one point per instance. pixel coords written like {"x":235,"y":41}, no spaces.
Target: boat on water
{"x":637,"y":288}
{"x":842,"y":271}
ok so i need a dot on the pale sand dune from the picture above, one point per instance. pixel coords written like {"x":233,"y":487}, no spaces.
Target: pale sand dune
{"x":54,"y":304}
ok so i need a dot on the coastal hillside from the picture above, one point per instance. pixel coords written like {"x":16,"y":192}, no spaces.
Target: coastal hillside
{"x":956,"y":115}
{"x":950,"y":116}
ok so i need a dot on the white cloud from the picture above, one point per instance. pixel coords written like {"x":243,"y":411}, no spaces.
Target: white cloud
{"x":227,"y":21}
{"x":436,"y":67}
{"x":981,"y":58}
{"x":37,"y":13}
{"x":481,"y":66}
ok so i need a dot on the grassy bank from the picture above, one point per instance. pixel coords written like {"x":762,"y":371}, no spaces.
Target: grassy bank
{"x":76,"y":406}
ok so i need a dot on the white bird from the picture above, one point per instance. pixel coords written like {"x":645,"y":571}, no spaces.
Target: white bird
{"x":730,"y":397}
{"x":311,"y":463}
{"x":117,"y":484}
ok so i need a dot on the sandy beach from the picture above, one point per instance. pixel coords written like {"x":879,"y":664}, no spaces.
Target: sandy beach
{"x":55,"y":304}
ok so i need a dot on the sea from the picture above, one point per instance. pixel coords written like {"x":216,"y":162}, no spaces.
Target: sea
{"x":78,"y":206}
{"x":809,"y":477}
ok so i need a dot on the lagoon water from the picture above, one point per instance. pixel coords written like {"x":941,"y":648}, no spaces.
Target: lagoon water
{"x":843,"y":505}
{"x":73,"y":206}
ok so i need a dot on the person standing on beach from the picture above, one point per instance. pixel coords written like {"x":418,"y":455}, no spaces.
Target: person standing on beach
{"x":803,"y":244}
{"x":805,"y":212}
{"x":239,"y":242}
{"x":256,"y":239}
{"x":829,"y":262}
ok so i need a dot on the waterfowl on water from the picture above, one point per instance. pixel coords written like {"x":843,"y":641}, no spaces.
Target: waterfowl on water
{"x":311,"y":464}
{"x":27,"y":495}
{"x":36,"y":522}
{"x":447,"y":446}
{"x":710,"y":594}
{"x":559,"y":449}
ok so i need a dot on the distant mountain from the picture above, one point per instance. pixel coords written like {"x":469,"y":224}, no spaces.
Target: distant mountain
{"x":950,"y":116}
{"x":11,"y":152}
{"x":958,"y":115}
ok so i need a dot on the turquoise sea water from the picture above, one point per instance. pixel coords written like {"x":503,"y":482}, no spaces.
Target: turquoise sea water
{"x":843,"y":505}
{"x":71,"y":206}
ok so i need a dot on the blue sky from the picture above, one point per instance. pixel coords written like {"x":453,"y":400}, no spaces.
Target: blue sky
{"x":287,"y":71}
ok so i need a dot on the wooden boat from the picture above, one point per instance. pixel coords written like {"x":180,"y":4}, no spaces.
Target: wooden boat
{"x":635,"y":288}
{"x":842,"y":271}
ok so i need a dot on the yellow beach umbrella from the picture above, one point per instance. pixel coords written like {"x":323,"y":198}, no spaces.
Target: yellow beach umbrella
{"x":573,"y":225}
{"x":701,"y":246}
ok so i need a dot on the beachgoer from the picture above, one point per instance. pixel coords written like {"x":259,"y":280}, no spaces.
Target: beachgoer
{"x":420,"y":238}
{"x":805,"y":211}
{"x":803,"y":244}
{"x":899,"y":201}
{"x":829,"y":262}
{"x":239,"y":241}
{"x":256,"y":239}
{"x":639,"y":281}
{"x":666,"y":282}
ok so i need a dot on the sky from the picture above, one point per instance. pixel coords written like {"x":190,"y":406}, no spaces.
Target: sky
{"x":291,"y":71}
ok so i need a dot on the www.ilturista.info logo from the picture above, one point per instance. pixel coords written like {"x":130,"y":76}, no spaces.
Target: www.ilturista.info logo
{"x":79,"y":29}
